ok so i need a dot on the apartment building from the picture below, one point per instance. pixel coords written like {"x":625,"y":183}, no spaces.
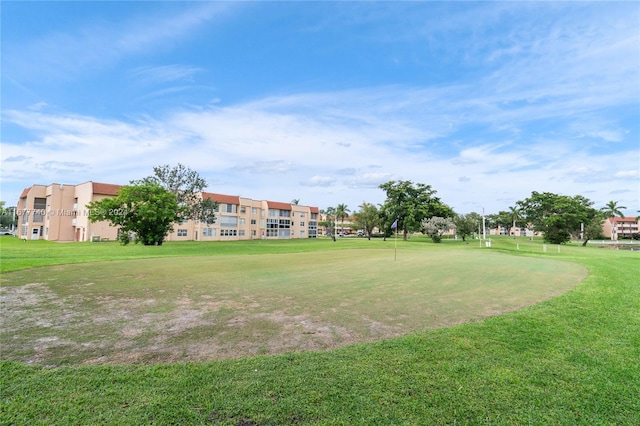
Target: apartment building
{"x":59,"y":212}
{"x":618,"y":228}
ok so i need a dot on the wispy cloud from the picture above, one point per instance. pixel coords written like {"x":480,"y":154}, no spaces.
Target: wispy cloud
{"x":64,"y":55}
{"x":164,"y":73}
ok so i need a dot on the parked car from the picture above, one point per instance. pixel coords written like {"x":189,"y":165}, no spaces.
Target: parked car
{"x":5,"y":231}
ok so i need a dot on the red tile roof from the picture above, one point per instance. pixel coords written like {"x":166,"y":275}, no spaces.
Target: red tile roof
{"x":629,"y":219}
{"x":222,"y":198}
{"x":314,"y":209}
{"x":25,"y":192}
{"x":105,"y":188}
{"x":279,"y":206}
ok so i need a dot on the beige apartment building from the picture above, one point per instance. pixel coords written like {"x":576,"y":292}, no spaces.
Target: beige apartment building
{"x":618,"y":228}
{"x":58,"y":212}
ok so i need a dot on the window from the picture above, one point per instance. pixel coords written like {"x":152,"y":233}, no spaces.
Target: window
{"x":284,"y":223}
{"x":272,"y":223}
{"x":231,"y":208}
{"x":314,"y":215}
{"x":284,"y":233}
{"x":208,"y":232}
{"x":182,"y":232}
{"x":241,"y":233}
{"x":39,"y":206}
{"x":241,"y":221}
{"x":254,"y":211}
{"x":253,"y":221}
{"x":285,"y":213}
{"x":228,"y":232}
{"x":301,"y":223}
{"x":228,"y":221}
{"x":243,"y":210}
{"x":273,"y":213}
{"x":302,"y":233}
{"x":302,"y":214}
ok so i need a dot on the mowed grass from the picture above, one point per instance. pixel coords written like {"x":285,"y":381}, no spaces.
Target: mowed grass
{"x":211,"y":307}
{"x":572,"y":359}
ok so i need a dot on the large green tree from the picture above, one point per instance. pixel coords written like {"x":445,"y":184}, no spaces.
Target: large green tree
{"x":187,"y":186}
{"x":466,"y":224}
{"x":557,"y":216}
{"x":145,"y":209}
{"x":409,"y":204}
{"x":367,"y":218}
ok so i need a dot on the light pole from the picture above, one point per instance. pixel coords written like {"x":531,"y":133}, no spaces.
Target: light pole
{"x":484,"y":232}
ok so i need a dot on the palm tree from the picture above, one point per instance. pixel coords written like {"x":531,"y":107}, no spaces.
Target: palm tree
{"x":514,"y":212}
{"x":342,"y":211}
{"x":610,"y":210}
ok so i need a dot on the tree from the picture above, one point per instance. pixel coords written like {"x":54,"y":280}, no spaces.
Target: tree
{"x":330,"y":213}
{"x":611,"y":210}
{"x":501,"y":219}
{"x":410,"y":204}
{"x":507,"y":219}
{"x":436,"y":227}
{"x":367,"y":218}
{"x":592,"y":229}
{"x":342,"y":212}
{"x":295,"y":201}
{"x":8,"y":216}
{"x":187,"y":186}
{"x":557,"y":216}
{"x":514,"y":213}
{"x":146,"y":209}
{"x":466,"y":225}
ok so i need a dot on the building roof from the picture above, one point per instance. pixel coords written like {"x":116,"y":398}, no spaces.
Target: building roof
{"x":629,"y":219}
{"x":314,"y":209}
{"x":279,"y":206}
{"x":222,"y":198}
{"x":105,"y":188}
{"x":25,"y":192}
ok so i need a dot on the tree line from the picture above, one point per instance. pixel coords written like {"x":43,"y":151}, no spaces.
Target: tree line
{"x":147,"y":209}
{"x":414,"y":207}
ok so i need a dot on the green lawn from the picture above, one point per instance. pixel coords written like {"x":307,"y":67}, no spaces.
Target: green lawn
{"x":572,"y":359}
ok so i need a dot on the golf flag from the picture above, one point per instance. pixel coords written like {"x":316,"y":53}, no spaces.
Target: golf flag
{"x":394,"y":225}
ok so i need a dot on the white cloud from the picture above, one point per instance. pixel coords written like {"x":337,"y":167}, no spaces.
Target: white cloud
{"x":627,"y":174}
{"x":319,"y":181}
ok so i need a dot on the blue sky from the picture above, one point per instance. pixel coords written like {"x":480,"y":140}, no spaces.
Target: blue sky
{"x":324,"y":101}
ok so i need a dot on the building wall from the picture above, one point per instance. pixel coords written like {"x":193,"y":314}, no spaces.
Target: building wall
{"x":59,"y":215}
{"x":64,"y":216}
{"x":617,"y":228}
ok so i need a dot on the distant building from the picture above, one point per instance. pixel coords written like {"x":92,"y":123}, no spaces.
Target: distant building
{"x":618,"y":228}
{"x":59,"y":212}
